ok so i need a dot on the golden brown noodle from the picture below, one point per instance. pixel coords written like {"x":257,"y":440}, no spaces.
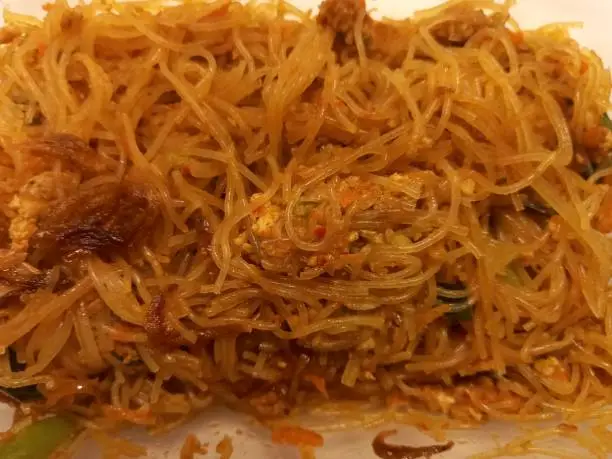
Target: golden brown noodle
{"x":247,"y":204}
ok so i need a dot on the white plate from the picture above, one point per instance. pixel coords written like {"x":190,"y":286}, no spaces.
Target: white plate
{"x":251,"y":441}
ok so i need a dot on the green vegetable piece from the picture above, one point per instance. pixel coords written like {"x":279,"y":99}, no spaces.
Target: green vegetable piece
{"x":38,"y":440}
{"x":605,"y":163}
{"x":588,"y":170}
{"x":460,"y":312}
{"x":606,"y":121}
{"x":540,"y":208}
{"x":451,"y":293}
{"x":22,"y":394}
{"x":460,"y":308}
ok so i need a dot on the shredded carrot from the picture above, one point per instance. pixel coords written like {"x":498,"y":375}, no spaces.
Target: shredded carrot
{"x":142,"y":416}
{"x":42,"y":49}
{"x":603,"y":221}
{"x":297,"y":436}
{"x":120,"y":333}
{"x":8,"y":34}
{"x":6,"y":436}
{"x":517,"y":37}
{"x":348,"y":197}
{"x":560,"y":375}
{"x":395,"y":399}
{"x":584,"y":67}
{"x":224,"y":448}
{"x":318,"y":382}
{"x":594,"y":136}
{"x":192,"y":446}
{"x":66,"y":388}
{"x":219,"y":13}
{"x":319,"y":231}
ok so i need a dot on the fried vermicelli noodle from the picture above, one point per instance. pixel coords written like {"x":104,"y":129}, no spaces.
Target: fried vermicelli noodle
{"x":256,"y":206}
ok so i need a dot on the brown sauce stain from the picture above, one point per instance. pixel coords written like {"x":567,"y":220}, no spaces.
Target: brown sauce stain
{"x":391,"y":451}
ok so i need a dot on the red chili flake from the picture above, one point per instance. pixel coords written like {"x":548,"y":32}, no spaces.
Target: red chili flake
{"x":185,"y":170}
{"x":319,"y":231}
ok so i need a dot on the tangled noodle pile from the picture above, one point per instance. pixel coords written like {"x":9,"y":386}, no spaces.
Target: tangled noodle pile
{"x":273,"y":210}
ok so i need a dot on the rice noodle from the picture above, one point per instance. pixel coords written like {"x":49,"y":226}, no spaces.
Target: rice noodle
{"x":278,"y":211}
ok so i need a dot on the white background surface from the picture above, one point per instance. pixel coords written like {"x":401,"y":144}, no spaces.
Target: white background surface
{"x":251,"y":441}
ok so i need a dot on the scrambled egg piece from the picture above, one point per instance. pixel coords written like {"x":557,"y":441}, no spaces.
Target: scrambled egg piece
{"x":354,"y":188}
{"x":32,"y":199}
{"x":23,"y":225}
{"x":550,"y":367}
{"x":468,"y":186}
{"x":273,"y":245}
{"x":446,"y":401}
{"x":267,"y":218}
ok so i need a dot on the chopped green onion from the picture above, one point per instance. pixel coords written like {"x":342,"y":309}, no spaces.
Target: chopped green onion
{"x":453,"y":293}
{"x":592,"y":168}
{"x":21,"y":394}
{"x":540,"y":208}
{"x":15,"y":364}
{"x":38,"y":440}
{"x":588,"y":170}
{"x":460,"y":312}
{"x":456,"y":296}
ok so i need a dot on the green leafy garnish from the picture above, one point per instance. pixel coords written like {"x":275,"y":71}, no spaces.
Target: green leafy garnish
{"x":39,"y":440}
